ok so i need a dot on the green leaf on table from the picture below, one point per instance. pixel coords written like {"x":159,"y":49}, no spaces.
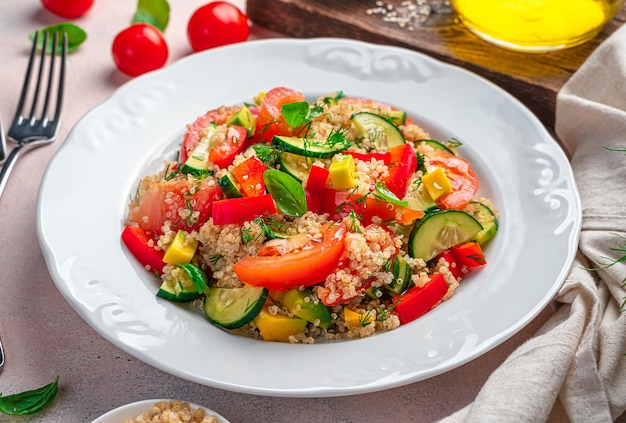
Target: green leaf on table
{"x":28,"y":402}
{"x":75,"y":37}
{"x":153,"y":12}
{"x":286,"y":192}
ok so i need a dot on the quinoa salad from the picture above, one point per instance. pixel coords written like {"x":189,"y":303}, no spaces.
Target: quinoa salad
{"x":295,"y":220}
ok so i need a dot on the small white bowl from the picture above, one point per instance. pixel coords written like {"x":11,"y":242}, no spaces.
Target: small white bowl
{"x":132,"y":410}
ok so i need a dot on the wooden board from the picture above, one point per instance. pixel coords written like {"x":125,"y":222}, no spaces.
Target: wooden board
{"x":533,"y":78}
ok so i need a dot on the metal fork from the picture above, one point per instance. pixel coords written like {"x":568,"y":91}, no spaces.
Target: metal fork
{"x":36,"y":129}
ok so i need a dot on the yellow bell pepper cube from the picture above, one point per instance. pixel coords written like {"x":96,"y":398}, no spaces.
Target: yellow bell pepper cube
{"x":437,"y":183}
{"x":356,"y":319}
{"x":181,"y":250}
{"x":342,"y":170}
{"x":278,"y":327}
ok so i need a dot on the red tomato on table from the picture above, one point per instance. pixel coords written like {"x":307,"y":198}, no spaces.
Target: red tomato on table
{"x":70,"y":9}
{"x":216,"y":24}
{"x":138,"y":49}
{"x":283,"y":264}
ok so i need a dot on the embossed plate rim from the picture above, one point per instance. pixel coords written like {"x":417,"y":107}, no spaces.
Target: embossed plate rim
{"x":521,"y":167}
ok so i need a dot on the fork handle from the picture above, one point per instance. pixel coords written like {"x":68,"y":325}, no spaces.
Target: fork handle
{"x":8,"y":166}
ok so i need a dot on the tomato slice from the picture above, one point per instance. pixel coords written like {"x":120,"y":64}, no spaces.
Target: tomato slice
{"x":419,"y":299}
{"x":186,"y":204}
{"x":283,"y":264}
{"x":403,"y":165}
{"x":224,"y":154}
{"x":461,"y":175}
{"x":249,"y":174}
{"x":197,"y":130}
{"x":239,"y":210}
{"x":270,"y":120}
{"x":142,"y":248}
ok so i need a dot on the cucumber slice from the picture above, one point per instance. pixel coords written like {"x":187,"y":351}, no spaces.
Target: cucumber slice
{"x":487,"y":219}
{"x":397,"y":117}
{"x":198,"y":160}
{"x":438,"y":146}
{"x":232,"y":308}
{"x":307,"y":147}
{"x":379,"y":130}
{"x":295,"y":165}
{"x":180,"y":290}
{"x":420,"y":199}
{"x":229,"y":187}
{"x":441,"y":230}
{"x":401,"y":276}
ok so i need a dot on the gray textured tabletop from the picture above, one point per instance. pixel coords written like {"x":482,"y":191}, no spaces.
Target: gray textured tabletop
{"x":44,"y":337}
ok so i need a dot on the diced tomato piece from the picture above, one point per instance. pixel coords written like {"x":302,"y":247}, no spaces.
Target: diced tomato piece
{"x":270,"y":120}
{"x":283,"y":264}
{"x":249,"y":174}
{"x":461,"y":175}
{"x":185,"y":204}
{"x":419,"y":299}
{"x":239,"y":210}
{"x":469,"y":255}
{"x":385,"y":156}
{"x":141,"y":247}
{"x":315,"y":185}
{"x":235,"y":142}
{"x":402,"y":166}
{"x":196,"y":130}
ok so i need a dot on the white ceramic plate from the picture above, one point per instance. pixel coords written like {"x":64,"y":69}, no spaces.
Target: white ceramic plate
{"x":98,"y":167}
{"x":132,"y":410}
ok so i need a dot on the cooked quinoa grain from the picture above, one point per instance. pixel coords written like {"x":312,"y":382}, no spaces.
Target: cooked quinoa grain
{"x":173,"y":411}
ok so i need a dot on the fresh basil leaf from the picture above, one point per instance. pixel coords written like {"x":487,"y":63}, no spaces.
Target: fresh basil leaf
{"x":286,"y":192}
{"x":385,"y":194}
{"x":153,"y":12}
{"x":28,"y":402}
{"x":198,"y":277}
{"x":295,"y":114}
{"x":75,"y":37}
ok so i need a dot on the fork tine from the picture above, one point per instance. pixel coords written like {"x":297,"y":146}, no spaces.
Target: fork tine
{"x":29,"y":69}
{"x":61,"y":87}
{"x":42,"y":63}
{"x":44,"y":113}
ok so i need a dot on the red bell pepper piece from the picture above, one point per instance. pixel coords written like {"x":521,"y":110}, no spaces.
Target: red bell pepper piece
{"x":454,"y":267}
{"x":469,"y":255}
{"x":402,"y":166}
{"x":239,"y":210}
{"x":419,"y":299}
{"x":249,"y":174}
{"x":315,"y":185}
{"x":139,"y":244}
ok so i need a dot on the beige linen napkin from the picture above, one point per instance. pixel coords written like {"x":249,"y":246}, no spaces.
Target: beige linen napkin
{"x":574,"y":368}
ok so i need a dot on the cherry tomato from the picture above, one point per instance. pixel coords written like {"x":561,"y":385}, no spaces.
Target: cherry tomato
{"x":287,"y":263}
{"x":216,"y":24}
{"x":70,"y":9}
{"x":270,"y":120}
{"x":197,"y":130}
{"x":138,"y":49}
{"x":461,"y":175}
{"x":234,"y":143}
{"x":164,"y":201}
